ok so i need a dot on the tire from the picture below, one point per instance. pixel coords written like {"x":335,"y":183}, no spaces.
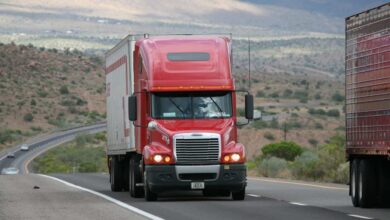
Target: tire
{"x":239,"y":195}
{"x":134,"y":178}
{"x":116,"y":179}
{"x":355,"y":182}
{"x":125,"y":170}
{"x":367,"y":183}
{"x":149,"y":195}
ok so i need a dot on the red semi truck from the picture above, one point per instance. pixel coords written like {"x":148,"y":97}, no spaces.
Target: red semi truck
{"x":367,"y":66}
{"x":171,"y":117}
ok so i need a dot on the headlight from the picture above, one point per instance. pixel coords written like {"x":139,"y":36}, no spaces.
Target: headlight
{"x":235,"y":157}
{"x":157,"y":158}
{"x":232,"y":158}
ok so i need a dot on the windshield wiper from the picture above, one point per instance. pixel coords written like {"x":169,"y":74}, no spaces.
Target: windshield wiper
{"x":174,"y":103}
{"x":219,"y":108}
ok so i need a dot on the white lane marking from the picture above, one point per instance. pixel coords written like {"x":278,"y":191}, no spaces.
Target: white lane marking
{"x":253,"y":195}
{"x":359,"y":216}
{"x":122,"y":204}
{"x":296,"y":183}
{"x":298,"y":203}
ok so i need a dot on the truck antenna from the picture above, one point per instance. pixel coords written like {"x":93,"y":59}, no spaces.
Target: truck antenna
{"x":249,"y":62}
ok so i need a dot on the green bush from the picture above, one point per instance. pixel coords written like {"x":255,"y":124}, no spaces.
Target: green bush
{"x":73,"y":157}
{"x":313,"y":142}
{"x":9,"y":135}
{"x":333,"y":113}
{"x":42,"y":93}
{"x":64,"y":90}
{"x":273,"y":166}
{"x":287,"y":93}
{"x":260,"y":94}
{"x":306,"y":166}
{"x":28,"y":117}
{"x":318,"y":125}
{"x":33,"y":102}
{"x":274,"y":95}
{"x":259,"y":124}
{"x":269,"y":136}
{"x":337,"y":97}
{"x":287,"y":150}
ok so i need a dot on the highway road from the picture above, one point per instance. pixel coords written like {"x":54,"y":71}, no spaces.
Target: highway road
{"x":266,"y":198}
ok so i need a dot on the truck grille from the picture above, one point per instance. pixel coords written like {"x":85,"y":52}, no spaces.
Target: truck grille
{"x":197,"y":151}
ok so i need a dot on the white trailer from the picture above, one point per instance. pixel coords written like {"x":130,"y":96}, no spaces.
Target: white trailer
{"x":119,"y":86}
{"x":120,"y":130}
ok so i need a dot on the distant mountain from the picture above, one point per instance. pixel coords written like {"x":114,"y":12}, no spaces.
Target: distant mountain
{"x":343,"y":8}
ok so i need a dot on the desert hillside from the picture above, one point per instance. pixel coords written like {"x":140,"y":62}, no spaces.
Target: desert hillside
{"x":45,"y":89}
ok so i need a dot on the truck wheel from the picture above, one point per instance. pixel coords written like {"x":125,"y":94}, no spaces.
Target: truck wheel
{"x":149,"y":195}
{"x":355,"y":182}
{"x":134,"y":178}
{"x":116,"y":175}
{"x":367,"y":184}
{"x":125,"y":174}
{"x":239,"y":195}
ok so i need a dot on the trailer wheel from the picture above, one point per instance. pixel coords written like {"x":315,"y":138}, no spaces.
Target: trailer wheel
{"x":116,"y":175}
{"x":367,"y":184}
{"x":125,"y":175}
{"x":355,"y":182}
{"x":134,"y":178}
{"x":239,"y":195}
{"x":149,"y":195}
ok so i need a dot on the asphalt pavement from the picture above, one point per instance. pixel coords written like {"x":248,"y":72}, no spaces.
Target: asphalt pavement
{"x":266,"y":199}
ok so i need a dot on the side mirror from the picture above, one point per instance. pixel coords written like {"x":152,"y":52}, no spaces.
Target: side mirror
{"x":249,"y":107}
{"x":132,"y":108}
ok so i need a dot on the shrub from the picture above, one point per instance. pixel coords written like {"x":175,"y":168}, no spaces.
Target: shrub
{"x":100,"y":136}
{"x":33,"y":102}
{"x":42,"y":93}
{"x":259,"y":124}
{"x":306,"y":166}
{"x":318,"y":125}
{"x":260,"y":94}
{"x":64,"y":90}
{"x":333,"y":113}
{"x":274,"y":124}
{"x":287,"y":93}
{"x":240,"y":112}
{"x":272,"y":167}
{"x":28,"y":117}
{"x":287,"y":150}
{"x":320,"y":111}
{"x":337,"y":97}
{"x":274,"y":95}
{"x":269,"y":136}
{"x":313,"y":142}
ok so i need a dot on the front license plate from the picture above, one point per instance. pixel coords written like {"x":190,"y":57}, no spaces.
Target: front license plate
{"x":197,"y":185}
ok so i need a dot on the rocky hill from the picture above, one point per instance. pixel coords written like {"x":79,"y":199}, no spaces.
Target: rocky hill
{"x":45,"y":89}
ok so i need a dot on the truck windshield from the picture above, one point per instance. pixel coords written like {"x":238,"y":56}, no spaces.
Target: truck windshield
{"x":191,"y":105}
